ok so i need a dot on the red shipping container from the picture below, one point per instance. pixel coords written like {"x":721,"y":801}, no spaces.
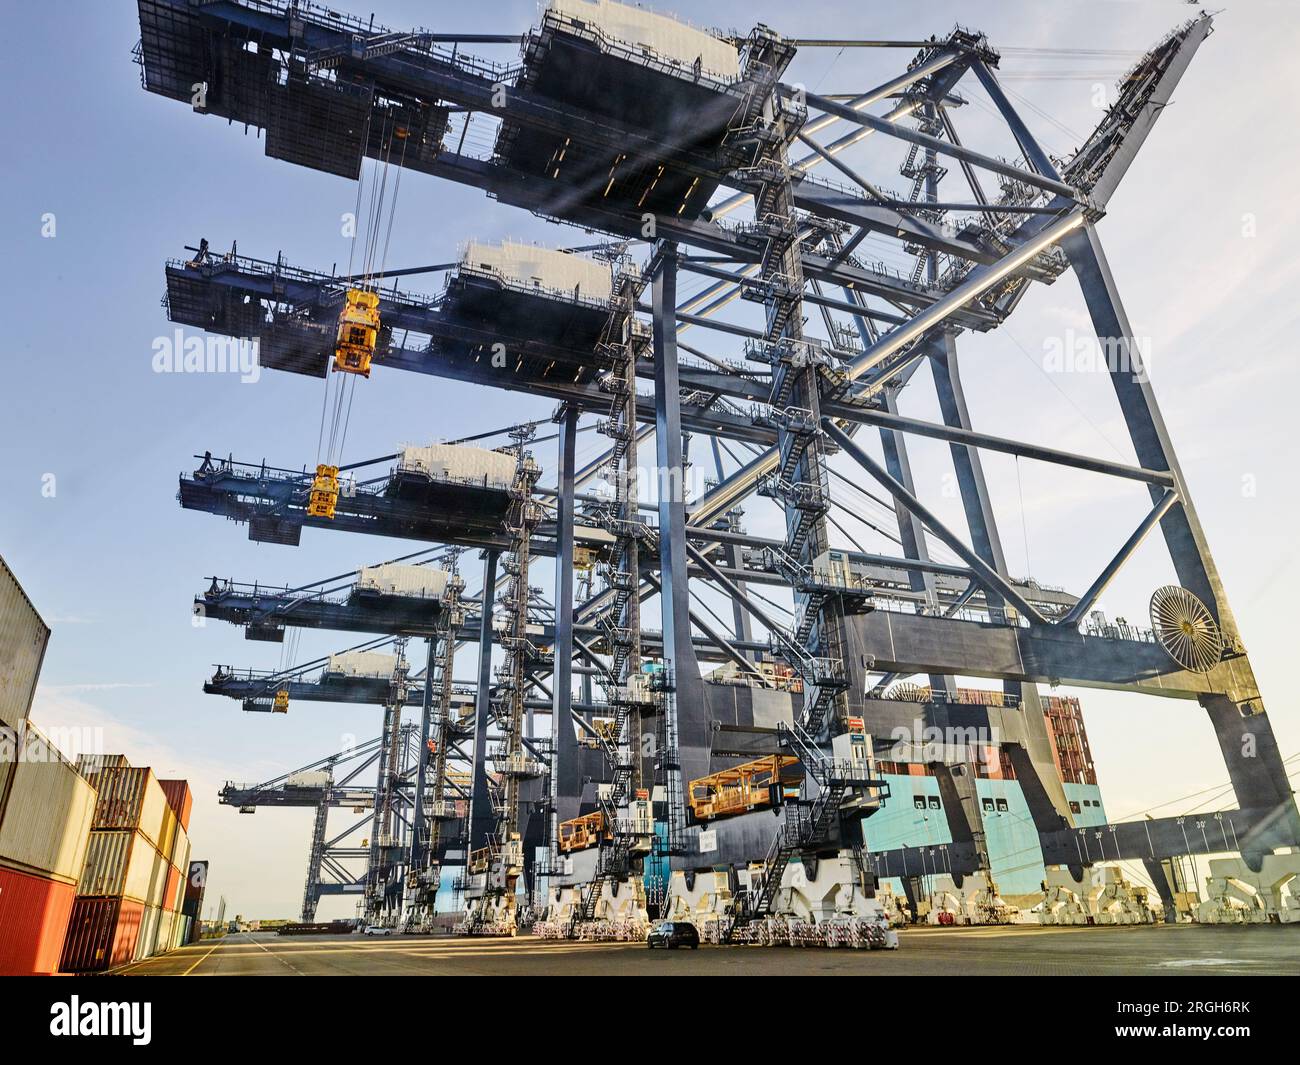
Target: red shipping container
{"x":102,"y":933}
{"x":34,"y":916}
{"x":197,"y":881}
{"x":180,"y":799}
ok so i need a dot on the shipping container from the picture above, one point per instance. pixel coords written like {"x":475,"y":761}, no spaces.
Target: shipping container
{"x":180,"y":855}
{"x":180,"y":799}
{"x":46,"y":820}
{"x":471,"y":465}
{"x":166,"y":841}
{"x":146,"y":946}
{"x":183,"y":929}
{"x":166,"y":931}
{"x":94,"y":763}
{"x":23,"y":638}
{"x":197,"y":881}
{"x":34,"y":914}
{"x":363,"y":664}
{"x":409,"y":582}
{"x":172,"y":892}
{"x":102,"y":933}
{"x":194,"y":927}
{"x":124,"y":864}
{"x":132,"y":799}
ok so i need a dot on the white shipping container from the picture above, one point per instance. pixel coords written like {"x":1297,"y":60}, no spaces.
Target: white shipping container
{"x":534,"y":267}
{"x":167,"y":932}
{"x":363,"y":664}
{"x":180,"y":856}
{"x":156,"y":815}
{"x":446,"y":462}
{"x":666,"y":37}
{"x":417,"y":582}
{"x":47,"y":817}
{"x":23,"y":636}
{"x":312,"y":778}
{"x":126,"y":864}
{"x":147,"y":945}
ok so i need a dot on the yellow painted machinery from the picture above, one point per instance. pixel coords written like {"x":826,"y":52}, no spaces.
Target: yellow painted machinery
{"x":324,"y":493}
{"x":583,"y":832}
{"x":744,"y":787}
{"x":602,"y":728}
{"x":358,"y":334}
{"x":281,"y":704}
{"x":479,"y":861}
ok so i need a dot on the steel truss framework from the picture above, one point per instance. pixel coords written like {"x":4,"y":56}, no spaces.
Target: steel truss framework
{"x":336,"y":863}
{"x":735,"y":148}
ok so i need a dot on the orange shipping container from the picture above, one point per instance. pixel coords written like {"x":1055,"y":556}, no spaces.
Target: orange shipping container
{"x":34,"y":916}
{"x":180,"y":798}
{"x":171,"y":896}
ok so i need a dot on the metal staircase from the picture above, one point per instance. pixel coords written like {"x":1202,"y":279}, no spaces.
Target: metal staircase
{"x":806,"y":825}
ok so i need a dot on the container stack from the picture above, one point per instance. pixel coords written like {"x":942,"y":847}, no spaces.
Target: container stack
{"x":130,"y":888}
{"x":45,"y":805}
{"x":45,"y":824}
{"x":192,"y":906}
{"x":181,"y":801}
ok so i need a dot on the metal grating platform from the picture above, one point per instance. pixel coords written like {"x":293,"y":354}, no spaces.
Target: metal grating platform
{"x":551,"y":319}
{"x":269,"y":529}
{"x":265,"y":633}
{"x":296,"y":345}
{"x":172,"y":50}
{"x":319,"y":124}
{"x":627,"y":89}
{"x":194,"y":300}
{"x":315,"y":121}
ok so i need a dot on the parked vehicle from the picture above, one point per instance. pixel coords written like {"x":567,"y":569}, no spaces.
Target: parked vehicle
{"x":673,"y":934}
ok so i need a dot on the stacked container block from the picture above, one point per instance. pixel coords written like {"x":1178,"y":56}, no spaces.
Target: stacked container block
{"x":192,"y":907}
{"x":46,"y":806}
{"x":130,"y":888}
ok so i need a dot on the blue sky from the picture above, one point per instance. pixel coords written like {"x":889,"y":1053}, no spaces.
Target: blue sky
{"x":112,"y":561}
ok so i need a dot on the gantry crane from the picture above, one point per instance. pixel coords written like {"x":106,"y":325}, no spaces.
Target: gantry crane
{"x":327,"y":783}
{"x":664,"y":158}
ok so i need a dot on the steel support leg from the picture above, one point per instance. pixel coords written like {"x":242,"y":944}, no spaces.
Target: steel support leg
{"x":419,"y":833}
{"x":687,"y":705}
{"x":311,"y":891}
{"x":1245,"y":737}
{"x":1046,"y":798}
{"x":566,"y":783}
{"x":481,"y":818}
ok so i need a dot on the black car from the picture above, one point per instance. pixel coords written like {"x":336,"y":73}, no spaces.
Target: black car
{"x":673,"y":934}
